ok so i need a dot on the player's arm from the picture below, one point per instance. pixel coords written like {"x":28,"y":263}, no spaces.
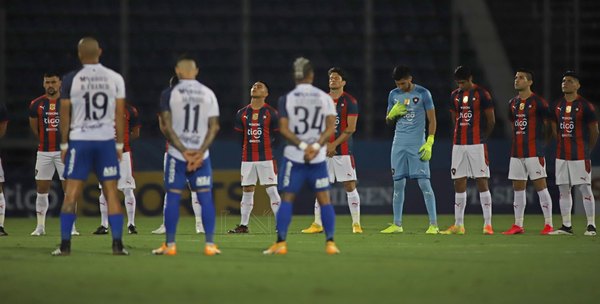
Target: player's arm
{"x":593,"y":134}
{"x":120,"y":124}
{"x":172,"y":138}
{"x":554,"y":129}
{"x":161,"y":125}
{"x":3,"y":127}
{"x":213,"y":129}
{"x":350,"y":129}
{"x":490,"y":122}
{"x":64,"y":126}
{"x":33,"y":124}
{"x":329,"y":129}
{"x":135,"y":133}
{"x":285,"y":131}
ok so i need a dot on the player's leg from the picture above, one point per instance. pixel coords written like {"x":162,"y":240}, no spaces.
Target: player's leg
{"x":419,"y":170}
{"x":174,"y":181}
{"x":74,"y":188}
{"x":517,"y":173}
{"x":458,"y":172}
{"x":200,"y":181}
{"x":353,"y":204}
{"x":580,"y":172}
{"x":478,"y":160}
{"x":545,"y":203}
{"x":317,"y":224}
{"x":126,"y":185}
{"x":565,"y":200}
{"x":318,"y":181}
{"x":345,"y":172}
{"x":268,"y":177}
{"x":249,"y":173}
{"x":400,"y":171}
{"x":2,"y":202}
{"x":103,"y":205}
{"x":197,"y":208}
{"x":485,"y":198}
{"x":161,"y":229}
{"x":60,"y":169}
{"x":44,"y":170}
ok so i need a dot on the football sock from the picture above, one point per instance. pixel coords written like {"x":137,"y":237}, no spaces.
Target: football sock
{"x":318,"y":220}
{"x":354,"y":205}
{"x":103,"y":210}
{"x":284,"y":217}
{"x":398,"y":200}
{"x":172,"y":215}
{"x":41,"y":208}
{"x":66,"y":224}
{"x":429,"y":197}
{"x":246,"y":207}
{"x":546,"y":204}
{"x":566,"y":203}
{"x":460,"y":204}
{"x":196,"y":208}
{"x":274,"y":198}
{"x":164,"y":208}
{"x":2,"y":209}
{"x":116,"y":225}
{"x":328,"y":216}
{"x":130,"y":203}
{"x":519,"y":202}
{"x":486,"y":204}
{"x":589,"y":203}
{"x":208,"y":214}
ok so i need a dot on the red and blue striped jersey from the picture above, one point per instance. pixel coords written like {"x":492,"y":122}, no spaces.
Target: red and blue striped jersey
{"x":132,"y":121}
{"x":573,"y":119}
{"x":528,"y":117}
{"x":346,"y":105}
{"x":258,"y":128}
{"x":46,"y":111}
{"x":469,"y":109}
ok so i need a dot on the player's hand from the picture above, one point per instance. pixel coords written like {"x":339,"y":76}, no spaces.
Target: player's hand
{"x":119,"y":147}
{"x":194,"y":159}
{"x":331,"y":149}
{"x":398,"y":110}
{"x":425,"y":149}
{"x":63,"y":155}
{"x":310,"y":153}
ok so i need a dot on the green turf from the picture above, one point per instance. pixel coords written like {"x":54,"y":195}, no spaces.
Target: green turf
{"x":374,"y":268}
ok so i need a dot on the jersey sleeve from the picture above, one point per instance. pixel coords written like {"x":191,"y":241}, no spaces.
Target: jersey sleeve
{"x":391,"y":101}
{"x":428,"y":100}
{"x":589,"y":113}
{"x":237,"y":123}
{"x":3,"y":113}
{"x":486,"y":100}
{"x":33,"y":109}
{"x":67,"y":83}
{"x":451,"y":106}
{"x":213,"y":110}
{"x":352,"y":107}
{"x":511,"y":115}
{"x":120,"y":85}
{"x":274,"y":120}
{"x":281,"y":104}
{"x":165,"y":100}
{"x":544,"y":109}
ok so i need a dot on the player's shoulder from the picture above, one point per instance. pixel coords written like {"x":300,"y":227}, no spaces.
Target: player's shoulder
{"x":243,"y":109}
{"x":586,"y":103}
{"x":270,"y":108}
{"x":539,"y":99}
{"x":111,"y":73}
{"x":37,"y":100}
{"x":131,"y":108}
{"x":349,"y":97}
{"x":68,"y":77}
{"x":481,"y":90}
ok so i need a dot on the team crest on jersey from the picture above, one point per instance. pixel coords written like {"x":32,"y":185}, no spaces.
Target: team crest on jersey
{"x":521,"y":106}
{"x":52,"y":107}
{"x":416,"y":100}
{"x":568,"y":109}
{"x":406,"y":101}
{"x":254,"y":116}
{"x":465,"y":99}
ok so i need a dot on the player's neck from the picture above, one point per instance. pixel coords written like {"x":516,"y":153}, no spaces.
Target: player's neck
{"x":257,"y":103}
{"x":571,"y":96}
{"x":410,"y":88}
{"x":90,"y":61}
{"x":53,"y":96}
{"x":525,"y":94}
{"x":336,"y":93}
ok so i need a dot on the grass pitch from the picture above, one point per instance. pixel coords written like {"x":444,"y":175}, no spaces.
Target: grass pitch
{"x":402,"y":268}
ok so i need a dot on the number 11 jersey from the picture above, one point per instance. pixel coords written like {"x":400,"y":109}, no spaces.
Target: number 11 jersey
{"x":191,"y":105}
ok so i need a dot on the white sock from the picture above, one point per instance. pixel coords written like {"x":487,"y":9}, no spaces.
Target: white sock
{"x":460,"y":202}
{"x":589,"y":203}
{"x":274,"y":198}
{"x":130,"y":203}
{"x":197,"y":208}
{"x":2,"y":209}
{"x":318,"y":220}
{"x":486,"y":204}
{"x":566,"y":203}
{"x":354,"y":204}
{"x":41,"y":208}
{"x":546,"y":204}
{"x":246,"y":207}
{"x":164,"y":208}
{"x":103,"y":210}
{"x":520,"y":200}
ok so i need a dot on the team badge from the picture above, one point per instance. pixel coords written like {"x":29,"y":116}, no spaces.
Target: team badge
{"x":52,"y":107}
{"x":453,"y":171}
{"x":406,"y":101}
{"x":254,"y":116}
{"x":521,"y":106}
{"x":465,"y":99}
{"x":568,"y":109}
{"x":415,"y":100}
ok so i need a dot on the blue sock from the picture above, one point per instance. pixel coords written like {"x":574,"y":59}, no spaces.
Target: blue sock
{"x":115,"y":221}
{"x":284,"y":217}
{"x":66,"y":224}
{"x":429,"y":198}
{"x":398,"y":200}
{"x":328,"y":218}
{"x":208,"y":214}
{"x":172,"y":215}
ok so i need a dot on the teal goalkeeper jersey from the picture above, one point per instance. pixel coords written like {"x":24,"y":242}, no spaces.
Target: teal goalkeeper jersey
{"x":410,"y":129}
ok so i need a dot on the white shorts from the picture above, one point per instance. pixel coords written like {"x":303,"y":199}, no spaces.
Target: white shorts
{"x":46,"y":163}
{"x":265,"y":171}
{"x":341,"y":168}
{"x":1,"y":172}
{"x":470,"y":161}
{"x":521,"y":168}
{"x":573,"y":172}
{"x":126,"y":180}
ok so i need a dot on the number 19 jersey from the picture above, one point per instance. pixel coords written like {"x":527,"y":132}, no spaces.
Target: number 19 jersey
{"x":306,"y":108}
{"x":93,"y":91}
{"x":191,"y":105}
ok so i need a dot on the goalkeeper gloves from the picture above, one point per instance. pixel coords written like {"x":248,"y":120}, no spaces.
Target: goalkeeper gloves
{"x":425,"y":149}
{"x":398,"y":110}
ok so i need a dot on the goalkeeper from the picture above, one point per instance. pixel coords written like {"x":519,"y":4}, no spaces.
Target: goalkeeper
{"x":409,"y":107}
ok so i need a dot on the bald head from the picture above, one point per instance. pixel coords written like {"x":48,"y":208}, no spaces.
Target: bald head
{"x":186,"y":69}
{"x":89,"y":50}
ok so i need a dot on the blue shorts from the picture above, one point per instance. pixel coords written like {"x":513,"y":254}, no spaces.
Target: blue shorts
{"x":296,"y":174}
{"x":176,"y":176}
{"x":83,"y":155}
{"x":406,"y":162}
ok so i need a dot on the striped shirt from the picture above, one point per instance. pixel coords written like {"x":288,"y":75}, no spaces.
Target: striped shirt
{"x":573,"y":119}
{"x":46,"y":111}
{"x":258,"y":128}
{"x":469,"y":109}
{"x":527,"y":117}
{"x":346,"y":105}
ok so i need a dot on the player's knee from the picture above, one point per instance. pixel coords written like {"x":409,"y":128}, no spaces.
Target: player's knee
{"x":424,"y":184}
{"x":248,"y":188}
{"x":482,"y":185}
{"x":350,"y":186}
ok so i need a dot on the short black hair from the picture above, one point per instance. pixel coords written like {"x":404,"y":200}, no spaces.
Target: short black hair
{"x":401,"y":72}
{"x":173,"y":81}
{"x":528,"y":73}
{"x":462,"y":73}
{"x":264,"y":83}
{"x":338,"y":71}
{"x":571,"y":73}
{"x":52,"y":74}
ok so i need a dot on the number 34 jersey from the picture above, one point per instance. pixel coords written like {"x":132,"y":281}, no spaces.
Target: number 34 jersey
{"x":306,"y":108}
{"x":191,"y":105}
{"x":93,"y":91}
